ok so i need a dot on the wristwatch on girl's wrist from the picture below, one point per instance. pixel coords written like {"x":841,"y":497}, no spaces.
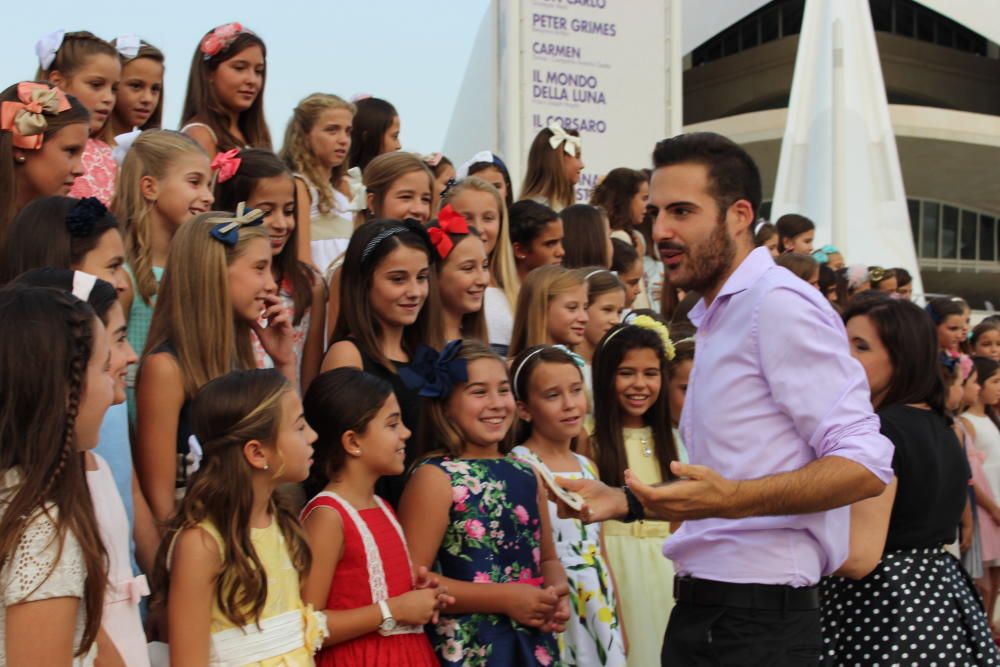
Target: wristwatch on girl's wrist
{"x":636,"y":512}
{"x":388,"y":623}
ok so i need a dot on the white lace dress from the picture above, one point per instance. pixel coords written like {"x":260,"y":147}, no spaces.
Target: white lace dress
{"x":38,"y":571}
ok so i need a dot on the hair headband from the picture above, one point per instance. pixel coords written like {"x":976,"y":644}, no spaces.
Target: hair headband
{"x":648,"y":323}
{"x":435,"y":373}
{"x":577,"y":360}
{"x":758,"y":226}
{"x":226,"y":230}
{"x":26,"y":118}
{"x":83,"y":285}
{"x":481,"y":156}
{"x":590,"y":275}
{"x":48,"y":46}
{"x":571,"y":145}
{"x":83,"y":216}
{"x":220,"y":39}
{"x":407,"y":225}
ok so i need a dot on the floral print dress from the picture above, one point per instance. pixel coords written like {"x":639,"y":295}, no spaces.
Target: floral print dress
{"x":494,"y":536}
{"x":593,"y":634}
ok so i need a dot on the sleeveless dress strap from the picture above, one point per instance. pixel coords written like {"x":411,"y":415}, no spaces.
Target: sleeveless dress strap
{"x":207,"y":129}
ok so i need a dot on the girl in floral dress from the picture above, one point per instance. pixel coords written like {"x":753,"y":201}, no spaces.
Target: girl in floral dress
{"x":552,"y":405}
{"x":480,"y":515}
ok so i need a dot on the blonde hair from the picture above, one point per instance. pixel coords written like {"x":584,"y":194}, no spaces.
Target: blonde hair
{"x":545,"y":177}
{"x":193,"y":311}
{"x":299,"y":156}
{"x":502,"y":266}
{"x":383,"y":171}
{"x":531,"y":319}
{"x":151,"y":155}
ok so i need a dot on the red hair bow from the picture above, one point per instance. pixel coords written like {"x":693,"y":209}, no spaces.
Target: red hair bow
{"x":449,"y":222}
{"x":226,"y":165}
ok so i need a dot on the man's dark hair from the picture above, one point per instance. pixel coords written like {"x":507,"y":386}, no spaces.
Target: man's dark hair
{"x":732,"y":173}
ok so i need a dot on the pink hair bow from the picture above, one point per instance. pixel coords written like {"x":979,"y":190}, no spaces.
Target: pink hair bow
{"x":25,"y":119}
{"x":225,"y":165}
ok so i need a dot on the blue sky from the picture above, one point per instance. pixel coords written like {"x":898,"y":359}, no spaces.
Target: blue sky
{"x":411,"y":53}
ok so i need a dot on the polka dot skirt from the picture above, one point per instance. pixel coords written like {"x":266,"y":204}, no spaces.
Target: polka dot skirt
{"x":917,"y":607}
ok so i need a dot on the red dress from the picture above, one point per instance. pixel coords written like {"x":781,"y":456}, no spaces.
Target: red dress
{"x":375,"y":566}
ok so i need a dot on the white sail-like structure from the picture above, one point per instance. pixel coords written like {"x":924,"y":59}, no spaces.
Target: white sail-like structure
{"x":839,"y":165}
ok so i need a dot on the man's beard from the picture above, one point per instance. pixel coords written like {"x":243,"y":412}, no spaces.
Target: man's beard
{"x":708,"y":263}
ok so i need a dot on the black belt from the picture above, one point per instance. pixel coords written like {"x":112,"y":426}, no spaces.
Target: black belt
{"x":768,"y":597}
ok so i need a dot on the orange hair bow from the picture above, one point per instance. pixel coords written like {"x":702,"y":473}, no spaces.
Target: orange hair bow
{"x":25,"y":119}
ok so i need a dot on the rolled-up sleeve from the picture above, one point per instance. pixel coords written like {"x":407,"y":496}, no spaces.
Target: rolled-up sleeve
{"x":805,"y":357}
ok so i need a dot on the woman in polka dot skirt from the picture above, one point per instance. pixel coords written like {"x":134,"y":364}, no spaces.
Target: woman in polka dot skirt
{"x":900,"y":598}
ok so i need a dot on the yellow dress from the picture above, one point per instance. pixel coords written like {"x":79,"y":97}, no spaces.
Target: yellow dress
{"x":290,"y":631}
{"x":644,"y":577}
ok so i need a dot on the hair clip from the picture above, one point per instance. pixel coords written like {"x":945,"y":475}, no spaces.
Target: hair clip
{"x":48,"y":46}
{"x":227,"y":230}
{"x":225,"y":165}
{"x":84,"y":215}
{"x":26,"y":119}
{"x":856,"y":275}
{"x":220,"y":39}
{"x":571,"y":145}
{"x":877,"y":274}
{"x":195,"y":452}
{"x":128,"y":46}
{"x":435,"y":374}
{"x":448,"y":222}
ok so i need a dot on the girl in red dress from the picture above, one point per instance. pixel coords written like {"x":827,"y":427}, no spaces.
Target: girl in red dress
{"x":361,"y":574}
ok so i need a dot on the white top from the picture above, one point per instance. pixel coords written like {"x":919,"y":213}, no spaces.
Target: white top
{"x":499,"y":317}
{"x":38,"y":571}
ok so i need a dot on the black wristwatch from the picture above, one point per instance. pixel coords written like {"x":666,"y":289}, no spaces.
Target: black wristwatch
{"x":636,"y":512}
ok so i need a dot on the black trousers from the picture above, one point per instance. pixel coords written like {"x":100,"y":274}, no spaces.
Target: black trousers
{"x":723,"y":636}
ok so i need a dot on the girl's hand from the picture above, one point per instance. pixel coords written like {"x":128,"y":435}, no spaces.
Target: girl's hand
{"x":529,"y":605}
{"x":561,"y":612}
{"x":417,"y":607}
{"x":277,"y":338}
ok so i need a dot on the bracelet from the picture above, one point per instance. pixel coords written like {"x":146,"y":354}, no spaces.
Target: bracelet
{"x":636,"y":512}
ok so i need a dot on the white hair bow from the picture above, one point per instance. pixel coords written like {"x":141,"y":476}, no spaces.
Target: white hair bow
{"x":359,"y":193}
{"x":123,"y":143}
{"x":128,"y":46}
{"x":481,"y":156}
{"x":83,"y":285}
{"x":48,"y":46}
{"x":195,"y":453}
{"x":572,"y":145}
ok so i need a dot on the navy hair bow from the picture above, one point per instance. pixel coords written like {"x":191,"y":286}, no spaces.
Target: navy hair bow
{"x":227,"y":230}
{"x":434,"y":374}
{"x":84,"y":216}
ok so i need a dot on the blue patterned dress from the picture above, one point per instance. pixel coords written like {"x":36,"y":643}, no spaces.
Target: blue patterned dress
{"x":494,"y":536}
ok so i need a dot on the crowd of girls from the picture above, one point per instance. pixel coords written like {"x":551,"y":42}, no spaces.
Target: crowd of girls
{"x":304,"y":407}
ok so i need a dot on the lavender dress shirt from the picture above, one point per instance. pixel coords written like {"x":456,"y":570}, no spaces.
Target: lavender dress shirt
{"x":773,"y":388}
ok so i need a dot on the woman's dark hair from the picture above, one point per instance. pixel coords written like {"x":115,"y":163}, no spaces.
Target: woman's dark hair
{"x":791,"y":225}
{"x":624,"y":256}
{"x":943,"y":307}
{"x":356,"y":319}
{"x":910,"y":338}
{"x":799,"y":263}
{"x":608,"y":443}
{"x":732,"y":173}
{"x":498,"y":164}
{"x":528,"y":219}
{"x":827,"y":280}
{"x":371,"y":122}
{"x":338,"y":401}
{"x":102,"y":295}
{"x":202,"y":103}
{"x":45,"y":233}
{"x":255,"y":164}
{"x":46,"y":341}
{"x":586,"y":238}
{"x":615,"y":193}
{"x":903,"y":277}
{"x":523,"y":367}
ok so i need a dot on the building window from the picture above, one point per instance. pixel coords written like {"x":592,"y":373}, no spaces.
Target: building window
{"x":951,"y":234}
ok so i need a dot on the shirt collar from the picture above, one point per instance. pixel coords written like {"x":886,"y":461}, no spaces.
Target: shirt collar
{"x":746,"y":274}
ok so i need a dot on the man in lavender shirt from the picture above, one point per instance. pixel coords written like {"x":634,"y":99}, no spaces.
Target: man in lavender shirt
{"x":777,"y":422}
